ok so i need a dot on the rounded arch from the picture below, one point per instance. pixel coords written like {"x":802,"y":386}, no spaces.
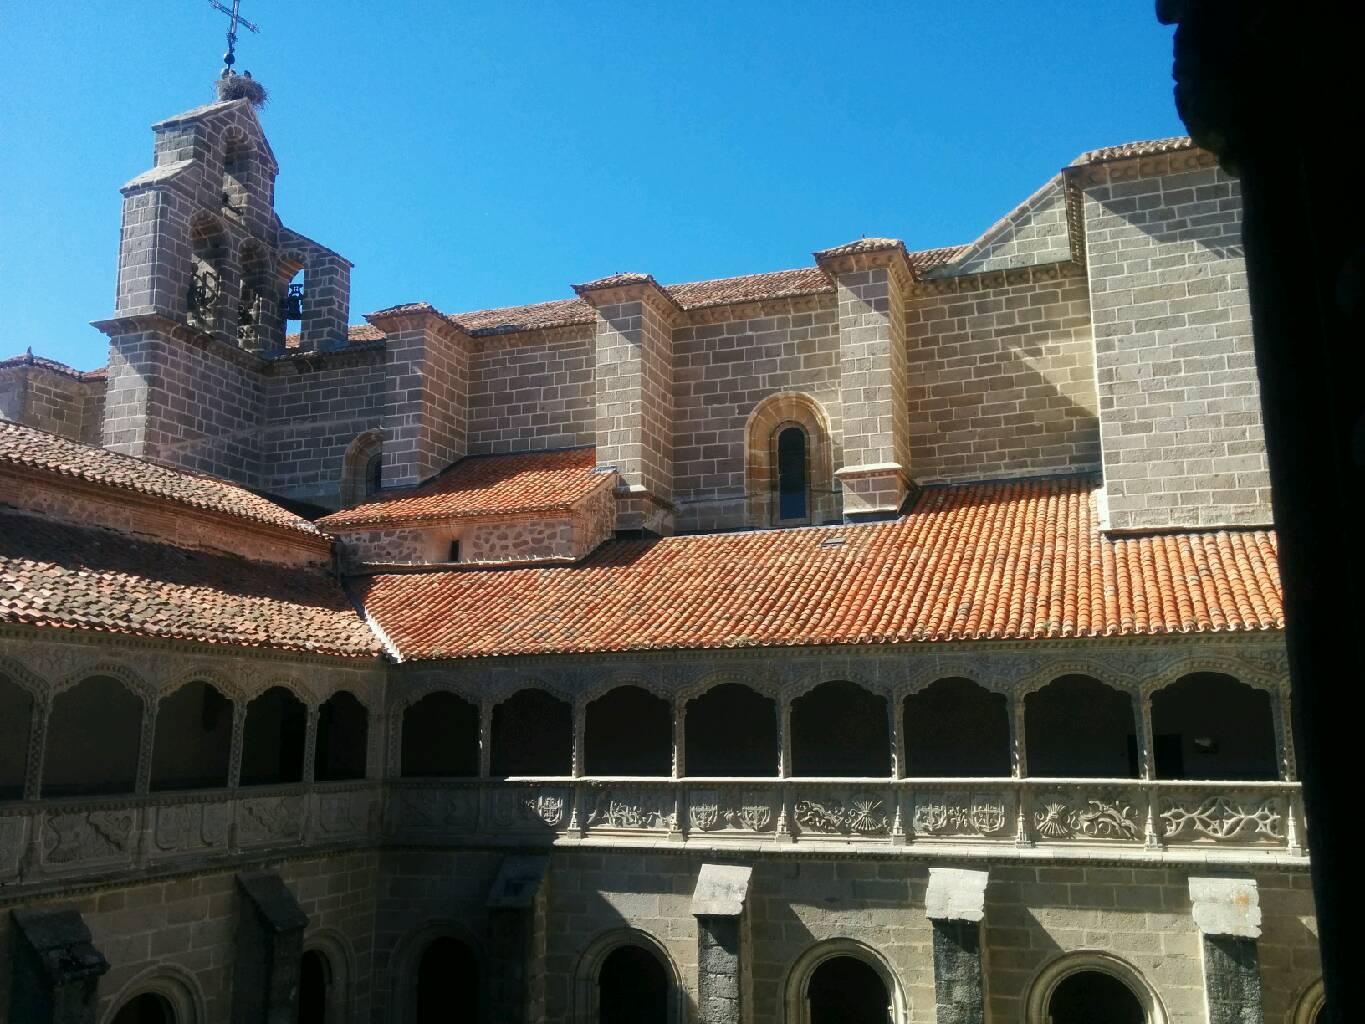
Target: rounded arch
{"x":342,"y":747}
{"x":134,"y":682}
{"x":21,"y":676}
{"x":192,"y":742}
{"x":589,"y":970}
{"x":406,"y":961}
{"x":730,"y":729}
{"x":955,"y":727}
{"x":1243,"y":672}
{"x":18,"y":703}
{"x":1057,"y":970}
{"x":273,"y":738}
{"x":227,"y":686}
{"x":338,"y":962}
{"x":628,"y":731}
{"x":362,"y":468}
{"x":1211,"y":725}
{"x":841,"y":729}
{"x":1054,"y":670}
{"x":760,"y":680}
{"x":761,"y":463}
{"x":1080,"y":727}
{"x":169,"y":981}
{"x":99,"y":706}
{"x":795,"y":1004}
{"x":531,"y":734}
{"x":439,"y":736}
{"x":1308,"y":1007}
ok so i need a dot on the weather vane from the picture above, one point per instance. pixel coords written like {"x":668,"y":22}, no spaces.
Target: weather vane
{"x":235,"y":19}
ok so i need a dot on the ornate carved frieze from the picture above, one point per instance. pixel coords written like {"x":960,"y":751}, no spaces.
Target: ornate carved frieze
{"x":963,"y":813}
{"x":434,"y":809}
{"x":343,"y":813}
{"x":535,"y":808}
{"x":85,"y":837}
{"x":13,"y":833}
{"x":1225,"y":817}
{"x":1110,"y":814}
{"x":730,"y":809}
{"x":269,"y":819}
{"x":632,"y":807}
{"x":859,"y":813}
{"x":190,"y":827}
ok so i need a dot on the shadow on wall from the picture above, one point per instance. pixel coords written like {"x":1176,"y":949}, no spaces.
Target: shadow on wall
{"x":1208,"y":201}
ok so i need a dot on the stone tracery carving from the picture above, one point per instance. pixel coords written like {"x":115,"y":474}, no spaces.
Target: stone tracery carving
{"x":1109,"y":816}
{"x":1223,"y":817}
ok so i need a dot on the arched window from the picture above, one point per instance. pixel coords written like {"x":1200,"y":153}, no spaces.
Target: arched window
{"x":343,"y":739}
{"x":632,"y":988}
{"x":1210,"y":726}
{"x":237,"y":171}
{"x":254,"y":303}
{"x":193,"y":741}
{"x":362,"y":468}
{"x":956,"y":728}
{"x":208,"y":249}
{"x":628,"y":731}
{"x":1076,"y":727}
{"x":147,"y":1008}
{"x":447,"y":983}
{"x":16,"y":715}
{"x":840,"y":729}
{"x":846,"y":990}
{"x":273,"y":741}
{"x":793,"y":477}
{"x":440,"y":737}
{"x":1088,"y":996}
{"x":92,"y":739}
{"x":315,"y":984}
{"x":731,"y":730}
{"x":532,"y":735}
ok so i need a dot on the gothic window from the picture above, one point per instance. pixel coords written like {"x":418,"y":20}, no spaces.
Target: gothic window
{"x":342,"y":742}
{"x":956,"y":728}
{"x":16,"y":711}
{"x":273,"y":741}
{"x":532,"y":735}
{"x":793,"y":482}
{"x":847,"y":990}
{"x":92,"y":739}
{"x":840,"y":729}
{"x":1210,"y":726}
{"x":1076,"y":727}
{"x":193,"y":739}
{"x":629,"y":731}
{"x":731,"y":730}
{"x":447,"y":976}
{"x":440,"y":737}
{"x":1087,"y":996}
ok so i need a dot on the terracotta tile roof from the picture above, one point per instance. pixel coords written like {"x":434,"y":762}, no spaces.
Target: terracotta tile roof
{"x":931,"y":259}
{"x":72,"y":577}
{"x":39,"y":450}
{"x":1009,"y":560}
{"x":780,"y":284}
{"x":861,"y":245}
{"x":486,"y":485}
{"x":29,"y":359}
{"x":615,"y":281}
{"x":1145,"y":147}
{"x":559,"y":313}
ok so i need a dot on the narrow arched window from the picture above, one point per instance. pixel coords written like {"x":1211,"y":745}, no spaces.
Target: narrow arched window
{"x":374,"y":475}
{"x":793,"y":486}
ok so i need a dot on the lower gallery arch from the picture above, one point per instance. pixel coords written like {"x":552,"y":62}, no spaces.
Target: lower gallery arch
{"x":1088,"y":986}
{"x":628,"y":731}
{"x":164,"y":994}
{"x":16,"y":716}
{"x":315,"y":985}
{"x":343,"y":738}
{"x":273,"y":739}
{"x":532,"y":735}
{"x":93,"y":738}
{"x":1212,"y":726}
{"x":842,"y":981}
{"x":440,"y":737}
{"x":731,"y":730}
{"x":840,"y":729}
{"x":147,"y":1008}
{"x":1077,"y":727}
{"x":956,"y":727}
{"x":193,"y":743}
{"x":447,"y":983}
{"x":627,"y":977}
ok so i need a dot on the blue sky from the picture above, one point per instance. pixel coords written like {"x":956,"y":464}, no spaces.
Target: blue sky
{"x":477,"y":155}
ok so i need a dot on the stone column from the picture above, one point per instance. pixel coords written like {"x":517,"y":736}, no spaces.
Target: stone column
{"x":37,"y":748}
{"x":871,"y":277}
{"x":427,"y":399}
{"x":955,"y":903}
{"x":310,"y":745}
{"x":722,"y":943}
{"x":269,"y":948}
{"x":634,"y":380}
{"x":146,"y":740}
{"x":516,"y":918}
{"x":239,"y":709}
{"x":1228,"y":913}
{"x":55,"y":972}
{"x":485,"y":739}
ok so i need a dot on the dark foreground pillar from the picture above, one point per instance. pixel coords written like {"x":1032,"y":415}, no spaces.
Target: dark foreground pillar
{"x":516,"y":914}
{"x":270,"y":923}
{"x":55,"y":969}
{"x":722,"y":950}
{"x":1228,"y":913}
{"x":955,"y":904}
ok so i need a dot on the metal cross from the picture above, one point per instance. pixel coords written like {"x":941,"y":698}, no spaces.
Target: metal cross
{"x":230,"y":58}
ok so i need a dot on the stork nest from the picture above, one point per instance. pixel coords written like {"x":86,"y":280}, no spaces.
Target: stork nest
{"x":232,"y":86}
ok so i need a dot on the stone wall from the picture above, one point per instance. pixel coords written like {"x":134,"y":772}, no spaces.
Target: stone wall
{"x":66,"y":403}
{"x":1002,"y":375}
{"x":532,"y":390}
{"x":1179,"y":400}
{"x":1033,"y":233}
{"x":722,"y":370}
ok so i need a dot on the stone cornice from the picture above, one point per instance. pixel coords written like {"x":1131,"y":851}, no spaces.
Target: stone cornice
{"x":872,"y":254}
{"x":753,"y":309}
{"x":417,"y":316}
{"x":159,"y":321}
{"x":1151,"y":165}
{"x":1041,"y":273}
{"x":622,"y":288}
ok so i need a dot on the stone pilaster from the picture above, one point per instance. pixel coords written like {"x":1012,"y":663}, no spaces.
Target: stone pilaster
{"x":634,"y":370}
{"x":516,"y":916}
{"x":1228,"y":913}
{"x":269,"y":948}
{"x":955,"y":903}
{"x":723,"y":973}
{"x":426,"y":408}
{"x":871,"y":277}
{"x":55,"y":968}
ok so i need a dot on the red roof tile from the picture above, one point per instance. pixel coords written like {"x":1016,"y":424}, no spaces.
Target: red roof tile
{"x":750,"y":288}
{"x":59,"y":575}
{"x":1009,"y":560}
{"x":486,"y":485}
{"x":29,"y":359}
{"x":1145,"y":147}
{"x":39,"y":450}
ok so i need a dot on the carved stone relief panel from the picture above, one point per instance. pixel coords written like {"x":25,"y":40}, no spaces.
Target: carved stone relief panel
{"x":190,"y":828}
{"x":1082,"y":814}
{"x":13,"y":836}
{"x":531,"y":808}
{"x":963,"y":813}
{"x":733,"y":809}
{"x":264,"y":820}
{"x":631,"y":808}
{"x":86,"y":837}
{"x":1223,"y":817}
{"x":434,"y":809}
{"x":837,"y":812}
{"x":341,"y":814}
